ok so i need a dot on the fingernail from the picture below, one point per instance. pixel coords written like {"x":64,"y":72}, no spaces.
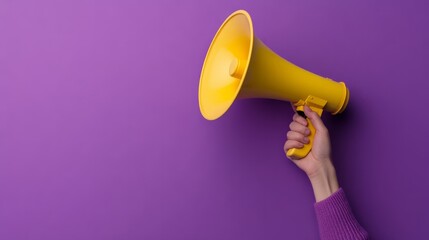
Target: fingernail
{"x":307,"y":131}
{"x":306,"y":139}
{"x":307,"y":108}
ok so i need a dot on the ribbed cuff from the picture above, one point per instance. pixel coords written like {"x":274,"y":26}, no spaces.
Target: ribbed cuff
{"x":336,"y":220}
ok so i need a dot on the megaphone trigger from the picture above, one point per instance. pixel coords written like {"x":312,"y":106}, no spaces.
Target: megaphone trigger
{"x":302,"y":114}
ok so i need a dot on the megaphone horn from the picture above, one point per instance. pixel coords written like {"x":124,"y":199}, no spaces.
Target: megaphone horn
{"x":238,"y":65}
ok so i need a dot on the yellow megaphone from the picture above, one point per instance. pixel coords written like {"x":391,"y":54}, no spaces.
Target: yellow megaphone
{"x":238,"y":65}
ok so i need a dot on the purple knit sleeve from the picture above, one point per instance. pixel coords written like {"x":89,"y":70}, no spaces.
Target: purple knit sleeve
{"x":336,"y":220}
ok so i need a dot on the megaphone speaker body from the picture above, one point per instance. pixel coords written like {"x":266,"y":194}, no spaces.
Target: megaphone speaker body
{"x":239,"y":65}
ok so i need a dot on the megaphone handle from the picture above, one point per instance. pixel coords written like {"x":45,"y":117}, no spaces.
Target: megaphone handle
{"x":298,"y":153}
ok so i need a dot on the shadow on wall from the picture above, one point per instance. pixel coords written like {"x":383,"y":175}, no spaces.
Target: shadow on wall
{"x":341,"y":129}
{"x":255,"y":129}
{"x":254,"y":126}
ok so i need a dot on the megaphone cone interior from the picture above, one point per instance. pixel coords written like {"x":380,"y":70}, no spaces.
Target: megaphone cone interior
{"x":225,"y":65}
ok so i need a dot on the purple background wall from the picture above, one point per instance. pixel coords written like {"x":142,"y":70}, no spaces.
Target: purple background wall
{"x":101,"y":135}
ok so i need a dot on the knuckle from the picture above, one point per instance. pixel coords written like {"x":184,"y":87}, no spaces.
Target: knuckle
{"x":286,"y":146}
{"x":298,"y":127}
{"x":302,"y":129}
{"x":303,"y":121}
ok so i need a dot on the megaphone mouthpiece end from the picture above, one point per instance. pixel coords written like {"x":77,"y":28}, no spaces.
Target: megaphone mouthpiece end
{"x":345,"y":100}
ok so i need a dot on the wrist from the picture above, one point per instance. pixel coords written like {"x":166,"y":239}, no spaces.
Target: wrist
{"x":324,"y":182}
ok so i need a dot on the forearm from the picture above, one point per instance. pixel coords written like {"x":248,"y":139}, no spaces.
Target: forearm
{"x":324,"y":182}
{"x":334,"y":215}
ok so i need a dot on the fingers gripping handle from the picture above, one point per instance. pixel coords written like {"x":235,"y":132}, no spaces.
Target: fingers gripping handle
{"x":298,"y":153}
{"x":316,"y":104}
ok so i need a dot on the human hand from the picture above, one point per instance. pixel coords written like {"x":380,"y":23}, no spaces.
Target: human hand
{"x":317,"y":164}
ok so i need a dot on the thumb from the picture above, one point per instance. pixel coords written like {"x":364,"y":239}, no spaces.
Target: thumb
{"x":314,"y":118}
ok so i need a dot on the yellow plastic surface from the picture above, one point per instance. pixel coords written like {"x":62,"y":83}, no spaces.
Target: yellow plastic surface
{"x":225,"y":65}
{"x":238,"y":65}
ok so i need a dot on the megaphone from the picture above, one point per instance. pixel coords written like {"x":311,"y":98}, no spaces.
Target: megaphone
{"x":238,"y":65}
